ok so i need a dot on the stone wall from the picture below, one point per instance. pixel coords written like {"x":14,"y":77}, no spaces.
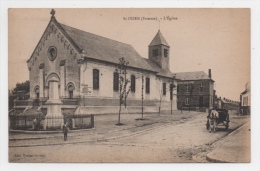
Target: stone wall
{"x":38,"y":77}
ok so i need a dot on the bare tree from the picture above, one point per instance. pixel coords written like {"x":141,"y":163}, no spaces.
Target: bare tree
{"x":123,"y":82}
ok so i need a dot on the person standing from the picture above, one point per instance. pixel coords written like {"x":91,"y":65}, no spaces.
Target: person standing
{"x":65,"y":131}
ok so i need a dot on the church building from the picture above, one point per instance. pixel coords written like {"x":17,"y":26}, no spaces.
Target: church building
{"x":74,"y":72}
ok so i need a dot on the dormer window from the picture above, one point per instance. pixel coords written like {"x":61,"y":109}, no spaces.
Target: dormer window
{"x":155,"y":52}
{"x":165,"y":52}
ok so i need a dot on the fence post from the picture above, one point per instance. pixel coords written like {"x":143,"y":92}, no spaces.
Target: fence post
{"x":45,"y":123}
{"x":92,"y":120}
{"x":25,"y":121}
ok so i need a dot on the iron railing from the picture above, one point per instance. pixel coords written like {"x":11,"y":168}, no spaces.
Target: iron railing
{"x":23,"y":122}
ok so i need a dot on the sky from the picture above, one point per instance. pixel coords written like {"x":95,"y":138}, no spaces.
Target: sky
{"x":199,"y":38}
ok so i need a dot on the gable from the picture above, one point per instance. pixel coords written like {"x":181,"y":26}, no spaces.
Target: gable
{"x":54,"y":28}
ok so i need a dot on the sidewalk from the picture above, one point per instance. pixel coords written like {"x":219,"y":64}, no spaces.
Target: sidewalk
{"x":235,"y":148}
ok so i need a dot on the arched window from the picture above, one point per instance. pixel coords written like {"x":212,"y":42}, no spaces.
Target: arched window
{"x":70,"y":90}
{"x":165,"y":52}
{"x":37,"y":92}
{"x":116,"y":81}
{"x":132,"y":83}
{"x":95,"y":79}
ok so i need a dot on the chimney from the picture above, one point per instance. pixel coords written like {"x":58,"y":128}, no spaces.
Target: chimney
{"x":209,"y":73}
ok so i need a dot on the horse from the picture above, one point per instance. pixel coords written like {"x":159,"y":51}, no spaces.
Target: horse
{"x":213,"y":116}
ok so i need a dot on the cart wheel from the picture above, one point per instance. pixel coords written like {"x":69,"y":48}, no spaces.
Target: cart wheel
{"x":226,"y":127}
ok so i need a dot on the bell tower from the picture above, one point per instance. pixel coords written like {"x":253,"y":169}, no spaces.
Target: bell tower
{"x":159,"y":51}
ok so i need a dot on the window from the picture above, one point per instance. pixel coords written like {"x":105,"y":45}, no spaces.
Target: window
{"x":147,"y":84}
{"x":187,"y":87}
{"x":70,"y":90}
{"x":95,"y":79}
{"x":37,"y":93}
{"x":245,"y":101}
{"x":165,"y":52}
{"x":116,"y":81}
{"x":201,"y":87}
{"x":171,"y":91}
{"x":164,"y":89}
{"x":132,"y":83}
{"x":155,"y":52}
{"x":187,"y":101}
{"x":70,"y":94}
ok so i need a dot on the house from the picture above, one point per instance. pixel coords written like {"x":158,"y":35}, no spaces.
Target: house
{"x":224,"y":103}
{"x":195,"y":90}
{"x":245,"y":100}
{"x":74,"y":72}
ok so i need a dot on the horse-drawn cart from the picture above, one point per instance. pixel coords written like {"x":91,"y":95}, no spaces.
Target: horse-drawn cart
{"x":217,"y":117}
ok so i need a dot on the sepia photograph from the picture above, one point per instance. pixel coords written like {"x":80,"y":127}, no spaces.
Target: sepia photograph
{"x":129,"y":85}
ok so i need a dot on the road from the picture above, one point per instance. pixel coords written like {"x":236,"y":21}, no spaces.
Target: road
{"x":177,"y":142}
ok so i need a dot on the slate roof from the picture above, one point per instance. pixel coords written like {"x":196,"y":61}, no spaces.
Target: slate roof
{"x":104,"y":49}
{"x":197,"y":75}
{"x":244,"y":92}
{"x":108,"y":50}
{"x":158,"y":40}
{"x":161,"y":72}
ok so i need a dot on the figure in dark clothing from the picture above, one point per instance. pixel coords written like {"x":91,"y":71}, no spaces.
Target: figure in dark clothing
{"x":65,"y":130}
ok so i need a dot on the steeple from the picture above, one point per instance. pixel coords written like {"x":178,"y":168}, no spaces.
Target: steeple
{"x":159,"y":51}
{"x":159,"y":40}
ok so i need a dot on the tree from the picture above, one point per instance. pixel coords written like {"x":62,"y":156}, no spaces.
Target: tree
{"x":24,"y":86}
{"x":161,"y":93}
{"x":123,"y":82}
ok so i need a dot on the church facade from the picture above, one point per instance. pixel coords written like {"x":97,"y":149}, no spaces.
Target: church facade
{"x":74,"y":72}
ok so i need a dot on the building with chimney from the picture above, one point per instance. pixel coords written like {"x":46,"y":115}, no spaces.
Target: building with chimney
{"x":195,"y":90}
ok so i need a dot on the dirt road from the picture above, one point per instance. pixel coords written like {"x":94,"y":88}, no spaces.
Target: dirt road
{"x":177,"y":142}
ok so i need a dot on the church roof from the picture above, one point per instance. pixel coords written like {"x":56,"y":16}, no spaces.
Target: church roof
{"x":158,"y":40}
{"x":160,"y":71}
{"x":197,"y":75}
{"x":104,"y":49}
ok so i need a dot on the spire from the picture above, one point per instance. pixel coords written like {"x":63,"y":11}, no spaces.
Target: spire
{"x":158,"y":40}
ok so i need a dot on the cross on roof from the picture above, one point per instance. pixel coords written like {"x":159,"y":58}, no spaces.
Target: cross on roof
{"x":52,"y":12}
